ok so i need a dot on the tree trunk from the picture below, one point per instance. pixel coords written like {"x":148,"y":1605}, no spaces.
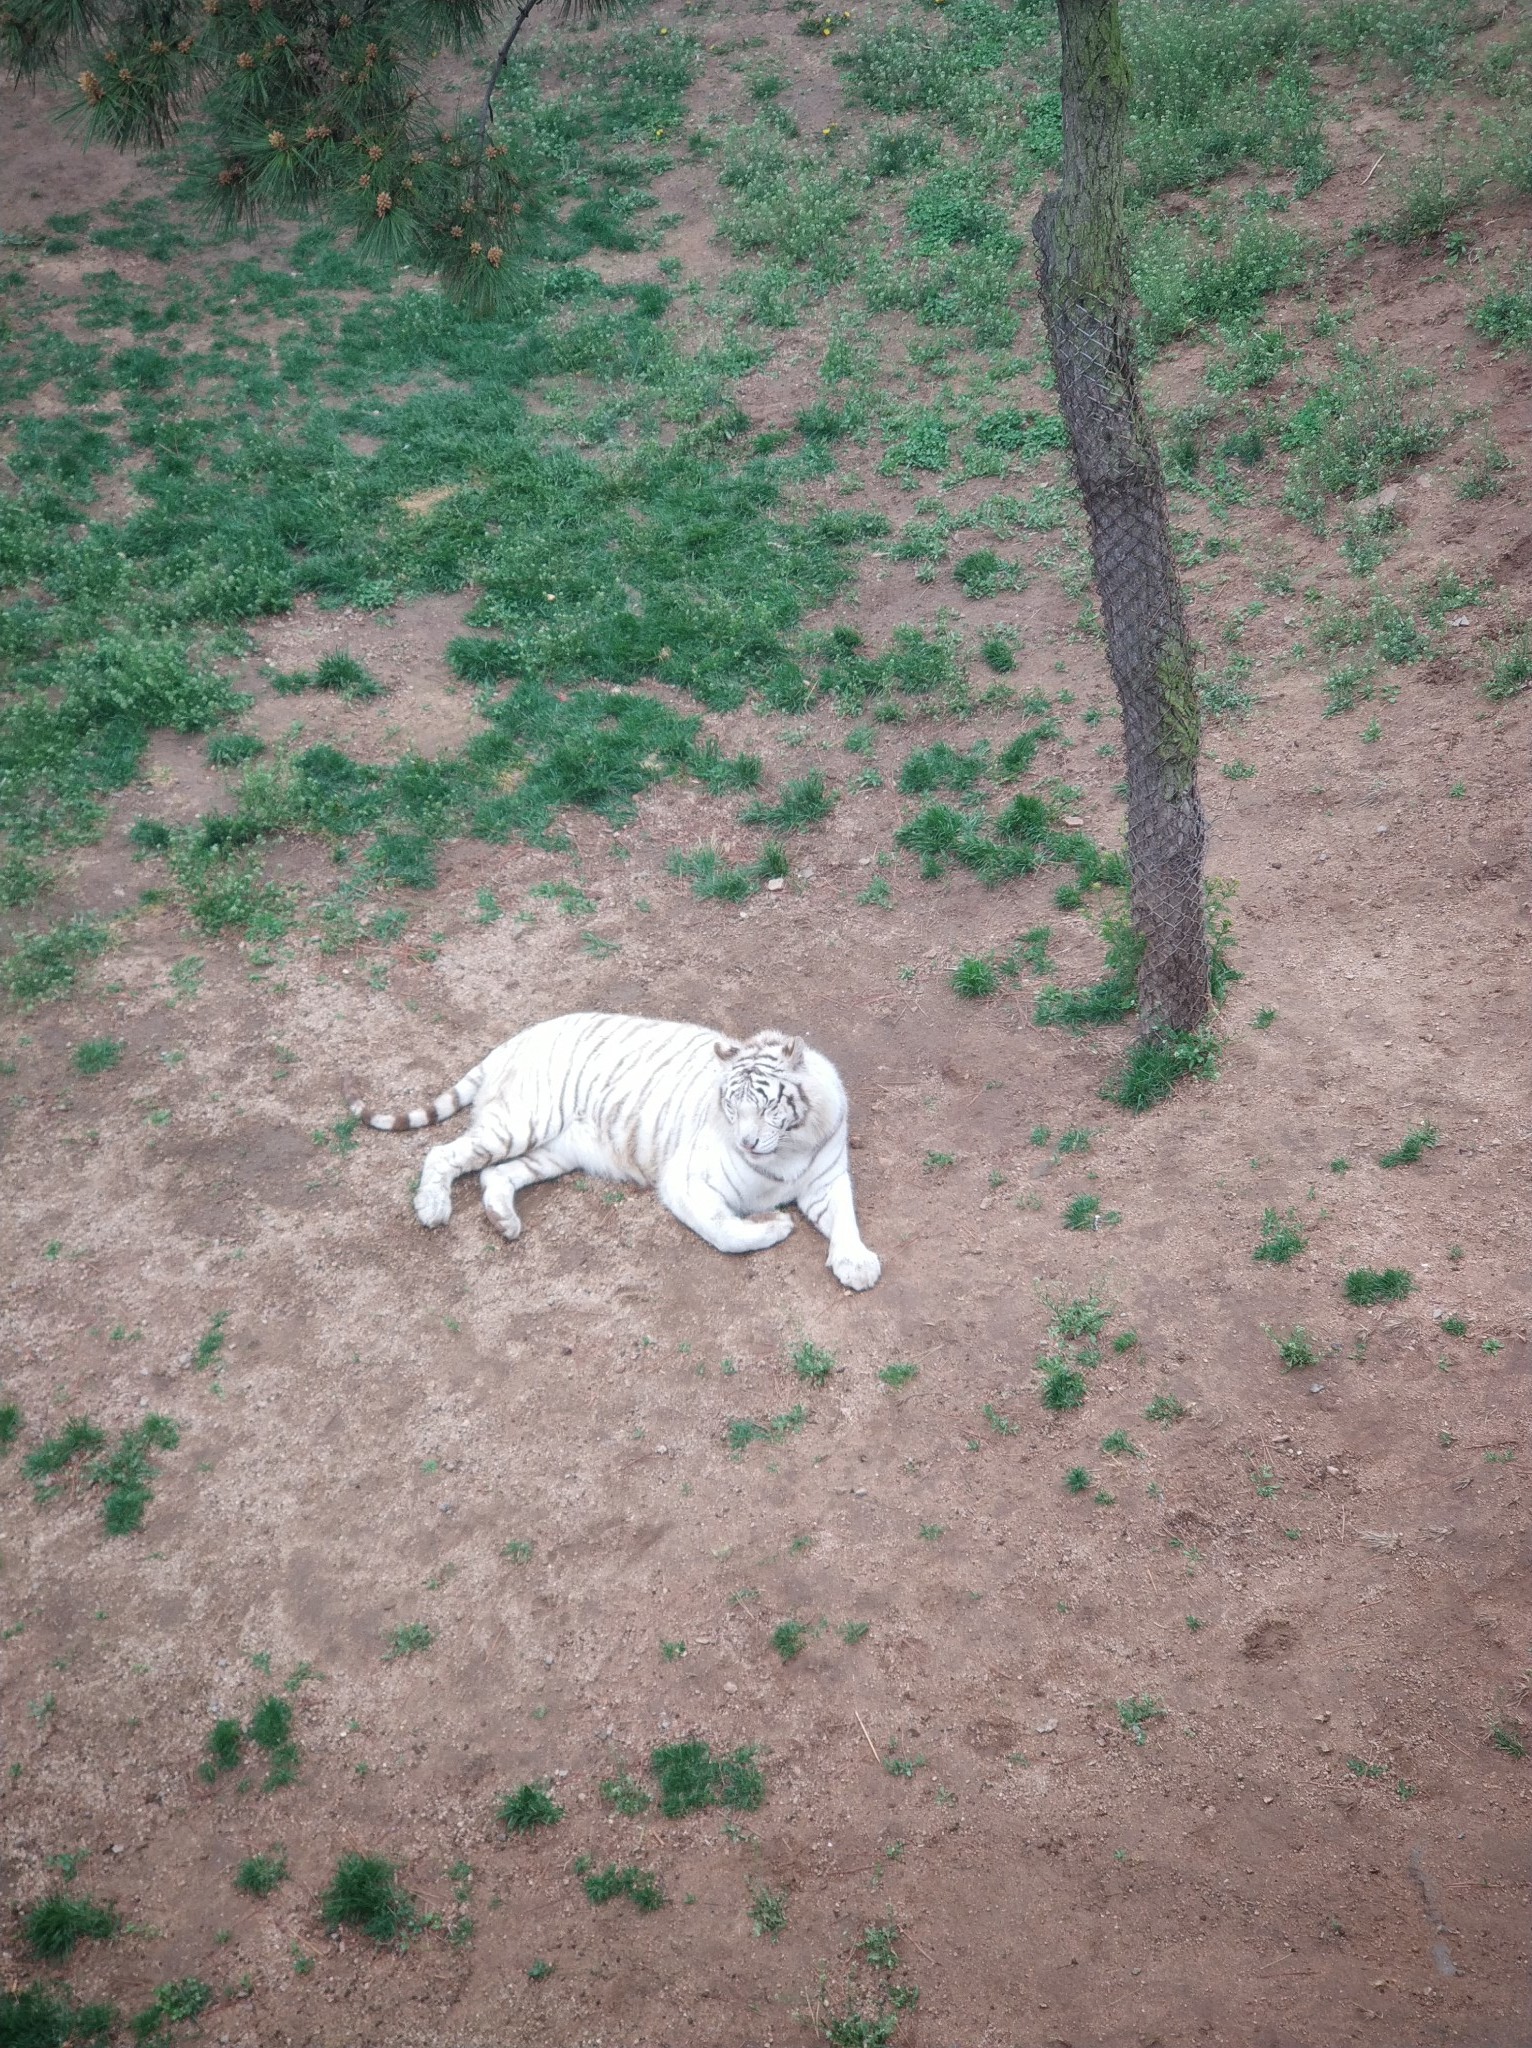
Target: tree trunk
{"x":1086,"y":298}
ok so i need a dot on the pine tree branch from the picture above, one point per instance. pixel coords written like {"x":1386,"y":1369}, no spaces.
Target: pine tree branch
{"x":497,"y":69}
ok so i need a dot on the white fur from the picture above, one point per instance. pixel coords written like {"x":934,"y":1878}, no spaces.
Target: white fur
{"x":726,"y":1134}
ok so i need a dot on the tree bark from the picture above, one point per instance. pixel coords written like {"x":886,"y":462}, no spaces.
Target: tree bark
{"x":1087,"y":297}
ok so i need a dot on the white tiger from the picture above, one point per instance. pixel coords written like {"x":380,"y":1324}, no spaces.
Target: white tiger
{"x":726,"y":1134}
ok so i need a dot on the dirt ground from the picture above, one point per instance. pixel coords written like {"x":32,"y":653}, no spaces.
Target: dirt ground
{"x":1315,"y":1841}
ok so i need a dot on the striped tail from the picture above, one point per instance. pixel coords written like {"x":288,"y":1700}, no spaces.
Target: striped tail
{"x":417,"y":1119}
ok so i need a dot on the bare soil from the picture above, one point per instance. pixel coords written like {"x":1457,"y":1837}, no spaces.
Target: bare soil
{"x":1315,"y":1842}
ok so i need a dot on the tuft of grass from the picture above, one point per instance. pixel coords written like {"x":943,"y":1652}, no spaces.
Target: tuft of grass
{"x":1365,"y":1287}
{"x":258,"y":1876}
{"x":1281,"y":1239}
{"x":225,"y":1746}
{"x":852,"y":1632}
{"x":715,"y":879}
{"x":1155,"y":1064}
{"x":1002,"y":1425}
{"x":1083,"y":1213}
{"x":272,"y":1722}
{"x":1120,"y":1445}
{"x":271,"y":1727}
{"x":1165,"y":1409}
{"x":346,"y":675}
{"x":1296,"y":1349}
{"x":742,"y":1433}
{"x":1063,"y":1387}
{"x":1507,"y":1740}
{"x":1424,"y":1138}
{"x":407,"y":1640}
{"x":126,"y":1473}
{"x":1077,"y":1480}
{"x":798,"y":805}
{"x":1454,"y":1326}
{"x":56,"y":1924}
{"x":97,"y":1055}
{"x":899,"y":1374}
{"x":691,"y":1777}
{"x":10,"y":1424}
{"x":975,"y":978}
{"x":602,"y":1886}
{"x":530,"y":1807}
{"x":626,"y":1796}
{"x":1511,"y":673}
{"x":788,"y":1639}
{"x":210,"y":1344}
{"x":365,"y":1893}
{"x":812,"y":1364}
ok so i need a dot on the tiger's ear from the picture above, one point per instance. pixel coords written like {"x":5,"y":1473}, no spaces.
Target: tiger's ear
{"x":725,"y":1048}
{"x":792,"y":1052}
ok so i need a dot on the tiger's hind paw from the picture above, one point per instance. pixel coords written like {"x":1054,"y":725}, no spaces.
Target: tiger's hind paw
{"x":433,"y":1206}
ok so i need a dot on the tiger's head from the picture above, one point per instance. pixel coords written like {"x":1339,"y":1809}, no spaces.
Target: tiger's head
{"x":763,"y":1090}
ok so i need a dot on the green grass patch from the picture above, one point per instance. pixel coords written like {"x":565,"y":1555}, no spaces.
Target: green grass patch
{"x":365,"y":1893}
{"x":532,"y":1806}
{"x":692,"y":1778}
{"x":1296,"y":1349}
{"x":715,"y":879}
{"x":56,"y":1925}
{"x":97,"y":1055}
{"x":181,"y":2002}
{"x":797,"y":805}
{"x":1281,"y":1238}
{"x":812,"y":1364}
{"x":40,"y":2016}
{"x":788,"y":1639}
{"x":1137,"y":1712}
{"x":42,"y":966}
{"x":625,"y":1795}
{"x":1424,"y":1138}
{"x":1366,"y":1287}
{"x":602,"y":1886}
{"x":1357,"y":429}
{"x":408,"y":1640}
{"x":258,"y":1876}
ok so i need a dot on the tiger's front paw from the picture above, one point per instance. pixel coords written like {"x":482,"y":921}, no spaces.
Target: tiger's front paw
{"x":433,"y":1205}
{"x":858,"y":1269}
{"x":771,"y":1228}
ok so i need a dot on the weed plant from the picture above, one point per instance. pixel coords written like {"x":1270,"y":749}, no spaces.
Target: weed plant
{"x":1296,"y":1349}
{"x":179,"y":2003}
{"x":1281,"y":1238}
{"x":812,"y":1364}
